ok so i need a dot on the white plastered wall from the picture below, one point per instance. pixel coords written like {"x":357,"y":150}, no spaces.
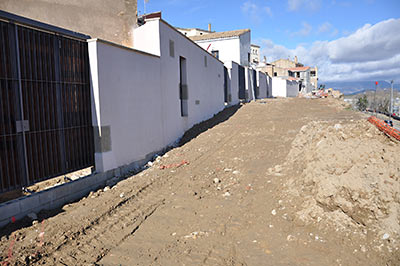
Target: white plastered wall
{"x":284,"y":88}
{"x":126,"y":107}
{"x":233,"y":72}
{"x":245,"y":48}
{"x":262,"y":85}
{"x":248,"y":73}
{"x":269,"y":86}
{"x":205,"y":83}
{"x":278,"y":87}
{"x":136,"y":106}
{"x":228,"y":48}
{"x":292,"y":88}
{"x":136,"y":102}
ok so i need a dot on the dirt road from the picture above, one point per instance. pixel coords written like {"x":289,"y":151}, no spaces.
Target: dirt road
{"x":212,"y":201}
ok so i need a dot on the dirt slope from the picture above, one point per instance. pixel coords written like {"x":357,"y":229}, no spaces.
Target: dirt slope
{"x":220,"y":199}
{"x":350,"y":180}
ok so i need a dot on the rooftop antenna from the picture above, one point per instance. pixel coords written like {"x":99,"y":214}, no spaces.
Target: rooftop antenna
{"x":144,"y":6}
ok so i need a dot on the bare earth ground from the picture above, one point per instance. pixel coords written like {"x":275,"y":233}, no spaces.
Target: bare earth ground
{"x":226,"y":197}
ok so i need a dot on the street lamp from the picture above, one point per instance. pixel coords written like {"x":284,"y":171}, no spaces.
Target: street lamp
{"x":391,"y":100}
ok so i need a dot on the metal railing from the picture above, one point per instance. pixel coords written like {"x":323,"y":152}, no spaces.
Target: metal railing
{"x":45,"y":109}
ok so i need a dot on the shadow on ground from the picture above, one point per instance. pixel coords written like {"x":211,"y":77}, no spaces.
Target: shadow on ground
{"x":188,"y":136}
{"x":210,"y":123}
{"x":8,"y":229}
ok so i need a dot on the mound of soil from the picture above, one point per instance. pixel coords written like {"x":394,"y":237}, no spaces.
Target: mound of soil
{"x":349,"y":178}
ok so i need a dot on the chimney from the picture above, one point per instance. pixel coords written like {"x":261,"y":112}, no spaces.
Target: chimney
{"x":265,"y":59}
{"x":209,"y":27}
{"x":295,"y":60}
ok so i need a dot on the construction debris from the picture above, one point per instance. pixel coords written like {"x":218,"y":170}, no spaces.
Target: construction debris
{"x":350,"y":179}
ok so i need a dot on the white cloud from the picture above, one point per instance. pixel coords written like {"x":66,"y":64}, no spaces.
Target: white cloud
{"x":334,"y":32}
{"x":254,"y":12}
{"x":372,"y":52}
{"x":304,"y":31}
{"x":268,"y":11}
{"x":326,"y":27}
{"x":312,"y":5}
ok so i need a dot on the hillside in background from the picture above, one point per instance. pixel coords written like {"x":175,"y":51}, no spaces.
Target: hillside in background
{"x":353,"y":87}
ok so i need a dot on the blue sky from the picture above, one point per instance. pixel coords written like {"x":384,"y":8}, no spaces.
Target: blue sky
{"x":284,"y":28}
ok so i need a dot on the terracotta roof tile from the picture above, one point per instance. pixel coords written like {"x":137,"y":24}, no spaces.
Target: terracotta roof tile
{"x":299,"y":68}
{"x":219,"y":35}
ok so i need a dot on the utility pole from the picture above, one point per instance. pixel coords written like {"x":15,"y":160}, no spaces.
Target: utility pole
{"x":391,"y":100}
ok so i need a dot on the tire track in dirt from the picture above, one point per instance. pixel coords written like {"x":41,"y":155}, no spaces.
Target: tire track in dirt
{"x":89,"y":230}
{"x":92,"y":240}
{"x":89,"y":238}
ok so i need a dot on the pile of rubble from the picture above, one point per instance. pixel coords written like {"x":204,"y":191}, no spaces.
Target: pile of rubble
{"x":322,"y":93}
{"x":349,"y":178}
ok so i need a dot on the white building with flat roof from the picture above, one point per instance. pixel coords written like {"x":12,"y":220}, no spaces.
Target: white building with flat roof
{"x":227,"y":45}
{"x":254,"y":54}
{"x":190,"y":32}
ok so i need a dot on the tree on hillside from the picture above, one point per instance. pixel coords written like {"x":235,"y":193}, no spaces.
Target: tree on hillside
{"x":362,"y":103}
{"x":383,"y":105}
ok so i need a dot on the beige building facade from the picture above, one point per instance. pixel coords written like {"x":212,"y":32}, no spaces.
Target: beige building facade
{"x":287,"y":63}
{"x":104,"y":19}
{"x":274,"y":71}
{"x":287,"y":68}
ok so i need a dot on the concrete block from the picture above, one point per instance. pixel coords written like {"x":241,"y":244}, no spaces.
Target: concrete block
{"x":9,"y":209}
{"x":78,"y":195}
{"x":73,"y":186}
{"x":117,"y":172}
{"x":110,"y":174}
{"x":47,"y":196}
{"x":92,"y":183}
{"x":82,"y":184}
{"x":101,"y":178}
{"x":58,"y":203}
{"x":3,"y":223}
{"x":46,"y":206}
{"x":28,"y":203}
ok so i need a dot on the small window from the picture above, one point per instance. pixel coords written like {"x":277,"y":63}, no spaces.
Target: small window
{"x":201,"y":33}
{"x":183,"y":87}
{"x":171,"y":48}
{"x":312,"y":73}
{"x":248,"y":57}
{"x":215,"y":53}
{"x":275,"y":74}
{"x":205,"y":61}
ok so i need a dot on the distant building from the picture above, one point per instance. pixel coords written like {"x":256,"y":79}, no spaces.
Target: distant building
{"x":287,"y":63}
{"x":254,"y":54}
{"x":189,"y":32}
{"x":314,"y":77}
{"x":288,"y":69}
{"x":302,"y":73}
{"x":227,"y":45}
{"x":108,"y":20}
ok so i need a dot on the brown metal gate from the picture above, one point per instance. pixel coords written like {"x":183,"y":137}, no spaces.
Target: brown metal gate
{"x":45,"y":108}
